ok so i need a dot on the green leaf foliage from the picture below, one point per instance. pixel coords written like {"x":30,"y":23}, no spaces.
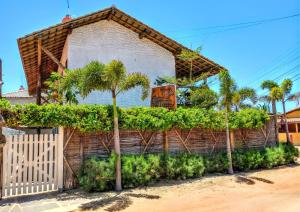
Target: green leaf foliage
{"x":89,"y":118}
{"x":137,"y":170}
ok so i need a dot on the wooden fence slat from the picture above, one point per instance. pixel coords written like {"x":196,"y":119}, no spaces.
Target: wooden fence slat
{"x":55,"y":162}
{"x":5,"y":166}
{"x":25,"y":174}
{"x":30,"y":163}
{"x":9,"y":165}
{"x":40,"y":174}
{"x":50,"y":163}
{"x":35,"y":165}
{"x":45,"y":161}
{"x":20,"y":163}
{"x":14,"y":173}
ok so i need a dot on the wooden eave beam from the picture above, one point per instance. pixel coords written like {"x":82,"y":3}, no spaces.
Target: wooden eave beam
{"x":52,"y":57}
{"x":39,"y":72}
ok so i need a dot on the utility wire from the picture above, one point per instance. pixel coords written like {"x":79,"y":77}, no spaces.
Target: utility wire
{"x":242,"y":24}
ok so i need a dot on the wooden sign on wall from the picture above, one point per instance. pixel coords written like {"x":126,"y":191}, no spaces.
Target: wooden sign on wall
{"x":164,"y":96}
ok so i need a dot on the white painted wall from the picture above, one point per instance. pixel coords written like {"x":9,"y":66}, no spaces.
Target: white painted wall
{"x":108,"y":40}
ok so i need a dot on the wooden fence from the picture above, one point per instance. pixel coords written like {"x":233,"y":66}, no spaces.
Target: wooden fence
{"x":79,"y":146}
{"x":31,"y":164}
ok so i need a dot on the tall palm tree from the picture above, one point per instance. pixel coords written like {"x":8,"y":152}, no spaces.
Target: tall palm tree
{"x":111,"y":77}
{"x":227,"y":89}
{"x":281,"y":93}
{"x":269,"y":85}
{"x":285,"y":90}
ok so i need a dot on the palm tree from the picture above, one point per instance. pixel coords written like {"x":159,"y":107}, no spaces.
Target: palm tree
{"x":269,"y":85}
{"x":284,"y":91}
{"x":244,"y":98}
{"x":227,"y":89}
{"x":286,"y":88}
{"x":281,"y":93}
{"x":111,"y":77}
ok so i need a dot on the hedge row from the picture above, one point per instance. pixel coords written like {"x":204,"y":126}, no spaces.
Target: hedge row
{"x":99,"y":117}
{"x":98,"y":174}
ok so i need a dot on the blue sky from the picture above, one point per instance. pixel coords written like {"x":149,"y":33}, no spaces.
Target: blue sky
{"x":266,"y":51}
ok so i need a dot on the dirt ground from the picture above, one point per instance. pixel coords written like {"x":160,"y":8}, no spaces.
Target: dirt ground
{"x":268,"y":190}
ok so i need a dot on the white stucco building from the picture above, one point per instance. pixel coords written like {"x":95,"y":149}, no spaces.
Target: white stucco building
{"x":104,"y":36}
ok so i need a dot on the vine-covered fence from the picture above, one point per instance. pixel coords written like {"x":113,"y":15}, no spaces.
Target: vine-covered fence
{"x":78,"y":146}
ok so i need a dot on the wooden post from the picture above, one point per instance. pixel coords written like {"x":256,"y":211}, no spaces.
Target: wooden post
{"x":166,"y":142}
{"x":39,"y":73}
{"x":60,"y":159}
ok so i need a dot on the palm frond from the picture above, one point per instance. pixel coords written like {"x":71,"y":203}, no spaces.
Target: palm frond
{"x":133,"y":80}
{"x":114,"y":72}
{"x":268,"y":84}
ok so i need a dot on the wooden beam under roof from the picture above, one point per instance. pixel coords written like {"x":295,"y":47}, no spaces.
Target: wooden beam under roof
{"x":52,"y":57}
{"x":39,"y":72}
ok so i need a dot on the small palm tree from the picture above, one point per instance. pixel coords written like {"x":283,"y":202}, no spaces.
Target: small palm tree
{"x":227,"y":89}
{"x":111,"y":77}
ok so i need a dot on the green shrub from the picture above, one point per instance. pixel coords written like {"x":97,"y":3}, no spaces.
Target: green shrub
{"x":140,"y":170}
{"x":217,"y":163}
{"x":184,"y":166}
{"x":98,"y":174}
{"x":276,"y":156}
{"x":247,"y":160}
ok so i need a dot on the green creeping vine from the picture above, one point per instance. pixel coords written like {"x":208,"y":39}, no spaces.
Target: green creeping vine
{"x":89,"y":118}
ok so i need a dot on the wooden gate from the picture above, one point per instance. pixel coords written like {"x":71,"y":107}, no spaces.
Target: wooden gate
{"x":32,"y":164}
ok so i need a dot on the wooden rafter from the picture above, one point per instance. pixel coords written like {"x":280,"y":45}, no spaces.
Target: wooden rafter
{"x":52,"y":57}
{"x":39,"y":72}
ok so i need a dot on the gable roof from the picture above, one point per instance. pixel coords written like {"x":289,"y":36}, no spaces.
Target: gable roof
{"x":54,"y":37}
{"x":17,"y":94}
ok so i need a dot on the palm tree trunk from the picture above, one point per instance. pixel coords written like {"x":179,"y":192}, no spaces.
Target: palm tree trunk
{"x":228,"y":146}
{"x":117,"y":144}
{"x":286,"y":123}
{"x":274,"y":111}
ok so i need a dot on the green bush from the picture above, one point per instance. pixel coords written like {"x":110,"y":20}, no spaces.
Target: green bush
{"x":98,"y":174}
{"x":276,"y":156}
{"x":140,"y":170}
{"x":247,"y":160}
{"x":184,"y":166}
{"x":217,"y":163}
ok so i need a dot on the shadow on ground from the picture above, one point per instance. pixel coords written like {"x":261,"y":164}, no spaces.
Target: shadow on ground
{"x":117,"y":203}
{"x":251,"y":180}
